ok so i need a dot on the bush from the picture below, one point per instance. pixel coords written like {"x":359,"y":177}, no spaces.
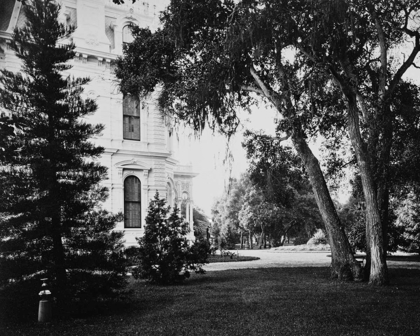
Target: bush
{"x":95,"y":269}
{"x":165,"y":255}
{"x":299,"y":241}
{"x":318,"y":238}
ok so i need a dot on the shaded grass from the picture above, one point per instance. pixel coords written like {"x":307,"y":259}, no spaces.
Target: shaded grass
{"x":408,"y":257}
{"x":220,"y":258}
{"x":277,"y":301}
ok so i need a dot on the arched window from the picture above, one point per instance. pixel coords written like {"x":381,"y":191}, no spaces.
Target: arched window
{"x":132,"y":202}
{"x":127,"y":35}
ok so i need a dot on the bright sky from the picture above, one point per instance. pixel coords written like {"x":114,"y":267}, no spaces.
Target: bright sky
{"x":207,"y":155}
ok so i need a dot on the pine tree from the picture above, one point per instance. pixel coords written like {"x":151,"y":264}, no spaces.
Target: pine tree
{"x":51,"y":224}
{"x":165,"y":255}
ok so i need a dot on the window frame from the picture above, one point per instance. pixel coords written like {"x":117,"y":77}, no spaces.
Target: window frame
{"x":131,"y":118}
{"x":135,"y":204}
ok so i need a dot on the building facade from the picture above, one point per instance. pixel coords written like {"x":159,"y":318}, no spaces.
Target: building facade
{"x":139,"y":150}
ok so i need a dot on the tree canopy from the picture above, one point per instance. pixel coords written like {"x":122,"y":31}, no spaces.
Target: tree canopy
{"x":208,"y":59}
{"x":328,"y":67}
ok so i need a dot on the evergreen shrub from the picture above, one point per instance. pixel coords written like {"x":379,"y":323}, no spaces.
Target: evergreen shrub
{"x":51,"y":221}
{"x":165,"y":256}
{"x":300,"y":241}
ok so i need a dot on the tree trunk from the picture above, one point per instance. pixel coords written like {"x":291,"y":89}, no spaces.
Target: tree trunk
{"x":368,"y":255}
{"x":262,"y":237}
{"x":242,"y":240}
{"x":282,"y":240}
{"x":378,"y":267}
{"x":343,"y":264}
{"x":384,"y":202}
{"x":59,"y":269}
{"x":53,"y":208}
{"x":382,"y":168}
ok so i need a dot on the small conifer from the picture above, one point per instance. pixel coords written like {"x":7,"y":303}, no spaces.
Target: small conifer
{"x":165,"y":255}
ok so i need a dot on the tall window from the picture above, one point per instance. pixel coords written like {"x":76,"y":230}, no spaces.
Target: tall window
{"x":131,"y":116}
{"x":127,"y":35}
{"x":169,"y":197}
{"x":132,"y":202}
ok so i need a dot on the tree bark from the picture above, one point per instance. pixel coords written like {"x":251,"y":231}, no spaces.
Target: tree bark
{"x":343,"y":264}
{"x":262,"y":237}
{"x":374,"y":230}
{"x":59,"y":269}
{"x":282,"y":240}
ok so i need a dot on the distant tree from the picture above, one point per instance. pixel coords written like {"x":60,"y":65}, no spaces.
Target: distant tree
{"x":216,"y":222}
{"x":256,"y":214}
{"x":408,"y":221}
{"x":201,"y":224}
{"x":51,"y":220}
{"x":278,"y":173}
{"x":275,"y":169}
{"x":402,"y":207}
{"x":352,"y":215}
{"x":226,"y":210}
{"x":165,"y":256}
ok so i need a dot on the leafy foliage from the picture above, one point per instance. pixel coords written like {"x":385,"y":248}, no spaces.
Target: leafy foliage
{"x":408,"y":221}
{"x":226,"y":226}
{"x":278,"y":173}
{"x":201,"y":224}
{"x":248,"y":209}
{"x":165,"y":255}
{"x":51,"y":221}
{"x":318,"y":238}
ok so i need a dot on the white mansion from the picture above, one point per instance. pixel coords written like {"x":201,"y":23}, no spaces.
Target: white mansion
{"x":138,"y":148}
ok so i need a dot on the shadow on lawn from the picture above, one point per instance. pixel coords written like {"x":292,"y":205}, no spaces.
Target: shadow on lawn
{"x":230,"y":258}
{"x":410,"y":258}
{"x":298,"y":301}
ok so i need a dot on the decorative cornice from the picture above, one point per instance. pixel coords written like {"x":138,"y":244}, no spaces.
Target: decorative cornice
{"x":188,"y":174}
{"x":82,"y":54}
{"x":172,"y":161}
{"x":132,"y":164}
{"x":150,"y":154}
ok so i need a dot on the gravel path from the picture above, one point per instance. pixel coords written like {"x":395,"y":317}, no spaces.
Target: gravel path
{"x":270,"y":258}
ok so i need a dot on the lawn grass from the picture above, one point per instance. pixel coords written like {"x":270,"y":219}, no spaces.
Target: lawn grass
{"x":273,"y":301}
{"x":303,"y":248}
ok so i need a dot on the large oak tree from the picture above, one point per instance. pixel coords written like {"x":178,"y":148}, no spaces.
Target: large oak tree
{"x":358,"y":45}
{"x":211,"y":57}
